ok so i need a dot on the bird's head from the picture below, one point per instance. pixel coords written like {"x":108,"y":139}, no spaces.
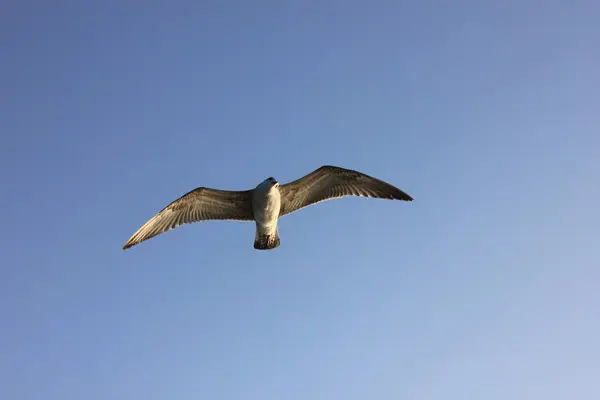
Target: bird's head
{"x":268,"y":184}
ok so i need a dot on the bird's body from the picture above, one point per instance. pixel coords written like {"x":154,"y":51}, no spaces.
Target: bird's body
{"x":266,"y":203}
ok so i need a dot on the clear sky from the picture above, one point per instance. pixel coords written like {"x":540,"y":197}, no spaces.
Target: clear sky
{"x":484,"y":287}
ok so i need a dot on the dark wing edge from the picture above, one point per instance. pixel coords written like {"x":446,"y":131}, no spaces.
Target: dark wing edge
{"x":200,"y":204}
{"x":330,"y":182}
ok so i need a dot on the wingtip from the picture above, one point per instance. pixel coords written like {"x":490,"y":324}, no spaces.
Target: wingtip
{"x":403,"y":196}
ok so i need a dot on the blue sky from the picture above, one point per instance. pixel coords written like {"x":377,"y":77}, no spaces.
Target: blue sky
{"x":484,"y":287}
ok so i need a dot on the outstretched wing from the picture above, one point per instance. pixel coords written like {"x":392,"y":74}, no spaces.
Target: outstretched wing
{"x":329,"y":182}
{"x":198,"y":205}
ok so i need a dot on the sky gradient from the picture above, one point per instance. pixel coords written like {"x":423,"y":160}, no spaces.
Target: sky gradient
{"x":484,"y":287}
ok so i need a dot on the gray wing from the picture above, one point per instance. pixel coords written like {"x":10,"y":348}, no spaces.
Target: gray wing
{"x":200,"y":204}
{"x":329,"y":182}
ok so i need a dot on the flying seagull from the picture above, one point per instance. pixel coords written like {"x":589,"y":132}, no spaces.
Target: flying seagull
{"x":266,"y":203}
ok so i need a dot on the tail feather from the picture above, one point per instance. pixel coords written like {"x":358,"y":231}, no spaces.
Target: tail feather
{"x":266,"y":241}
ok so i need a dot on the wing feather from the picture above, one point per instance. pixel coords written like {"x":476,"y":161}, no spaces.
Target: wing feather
{"x":200,"y":204}
{"x":329,"y":182}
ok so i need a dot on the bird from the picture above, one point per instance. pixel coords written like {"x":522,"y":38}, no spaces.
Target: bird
{"x":266,"y":203}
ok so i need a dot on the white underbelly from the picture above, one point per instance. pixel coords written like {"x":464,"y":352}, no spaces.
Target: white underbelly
{"x":266,"y":209}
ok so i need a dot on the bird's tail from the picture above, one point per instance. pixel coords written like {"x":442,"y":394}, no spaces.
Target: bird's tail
{"x":266,"y":241}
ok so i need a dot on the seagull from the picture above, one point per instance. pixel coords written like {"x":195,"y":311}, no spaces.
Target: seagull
{"x":266,"y":203}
